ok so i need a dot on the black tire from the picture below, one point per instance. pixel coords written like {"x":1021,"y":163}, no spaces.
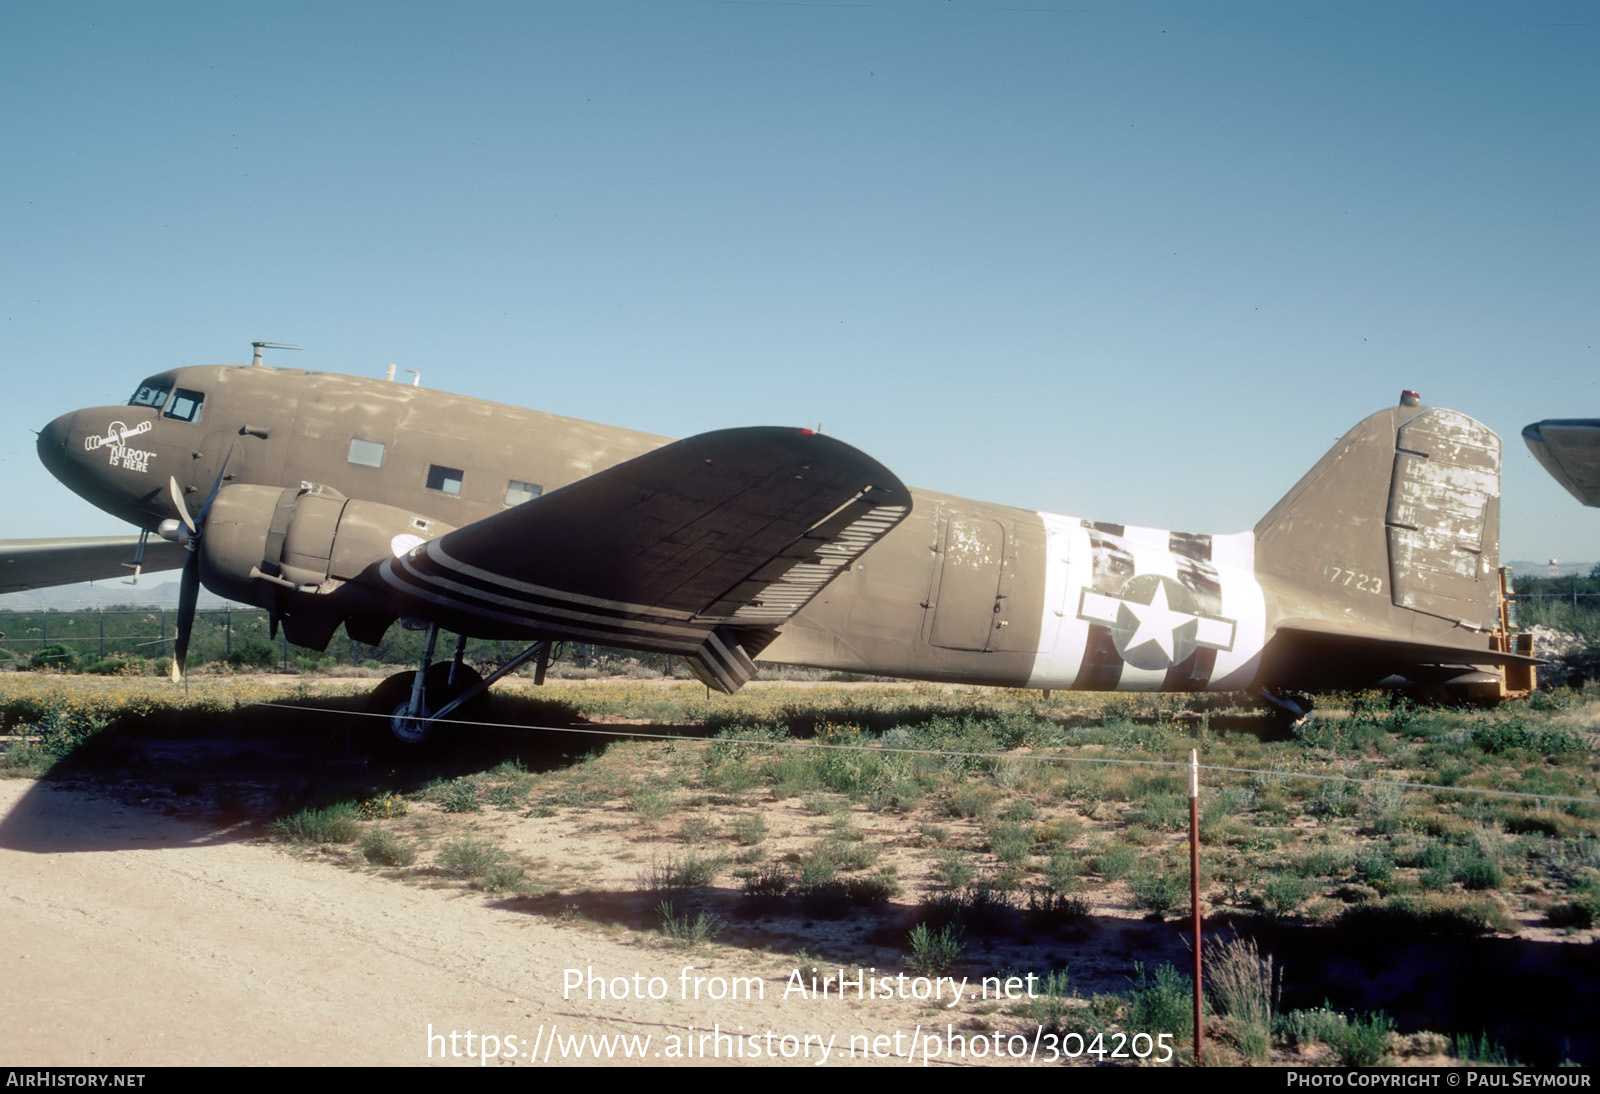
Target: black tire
{"x":393,"y":690}
{"x":392,"y":699}
{"x":439,"y":682}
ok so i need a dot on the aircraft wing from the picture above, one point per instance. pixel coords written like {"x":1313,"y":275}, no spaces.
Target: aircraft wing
{"x":37,"y":563}
{"x":1570,"y":450}
{"x":702,"y":547}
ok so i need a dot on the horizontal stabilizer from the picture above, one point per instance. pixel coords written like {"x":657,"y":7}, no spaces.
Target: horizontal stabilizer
{"x":1324,"y":656}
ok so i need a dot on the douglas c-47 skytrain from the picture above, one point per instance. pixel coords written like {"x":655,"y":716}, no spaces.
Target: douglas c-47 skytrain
{"x":330,"y":500}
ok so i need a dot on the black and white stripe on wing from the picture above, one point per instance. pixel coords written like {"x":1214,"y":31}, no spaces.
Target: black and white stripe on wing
{"x":429,"y":574}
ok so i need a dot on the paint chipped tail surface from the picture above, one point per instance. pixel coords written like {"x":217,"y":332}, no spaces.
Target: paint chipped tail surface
{"x":1392,"y":537}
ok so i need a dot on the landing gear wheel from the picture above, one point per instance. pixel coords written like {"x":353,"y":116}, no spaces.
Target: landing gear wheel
{"x":439,"y":690}
{"x":392,"y":699}
{"x":395,"y":689}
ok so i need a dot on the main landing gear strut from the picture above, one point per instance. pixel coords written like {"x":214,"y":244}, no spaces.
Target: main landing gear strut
{"x":415,"y":702}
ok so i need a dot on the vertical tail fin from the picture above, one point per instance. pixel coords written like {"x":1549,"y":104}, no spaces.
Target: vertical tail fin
{"x":1393,"y":534}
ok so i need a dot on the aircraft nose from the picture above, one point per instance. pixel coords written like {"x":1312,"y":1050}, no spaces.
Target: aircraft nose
{"x":53,"y":443}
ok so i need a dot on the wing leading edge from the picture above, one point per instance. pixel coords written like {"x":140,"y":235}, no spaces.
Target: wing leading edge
{"x":701,"y":548}
{"x":39,"y":563}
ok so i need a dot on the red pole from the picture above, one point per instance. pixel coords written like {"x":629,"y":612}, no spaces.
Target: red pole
{"x":1194,"y":887}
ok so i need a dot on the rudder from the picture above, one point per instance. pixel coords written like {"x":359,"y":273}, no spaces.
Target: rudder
{"x":1394,"y":533}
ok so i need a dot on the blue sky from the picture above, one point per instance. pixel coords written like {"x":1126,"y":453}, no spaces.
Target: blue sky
{"x":1142,"y":262}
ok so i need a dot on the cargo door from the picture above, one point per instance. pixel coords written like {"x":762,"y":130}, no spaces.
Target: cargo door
{"x":969,"y":600}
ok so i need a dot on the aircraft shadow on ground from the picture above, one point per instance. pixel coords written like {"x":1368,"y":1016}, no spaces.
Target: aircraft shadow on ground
{"x":229,"y":777}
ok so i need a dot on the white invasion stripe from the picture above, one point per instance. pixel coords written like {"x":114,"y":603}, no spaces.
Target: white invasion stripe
{"x":1062,"y":635}
{"x":728,"y":667}
{"x":734,"y":666}
{"x":1155,"y":539}
{"x":1242,"y":601}
{"x":1152,"y":554}
{"x":1234,"y":552}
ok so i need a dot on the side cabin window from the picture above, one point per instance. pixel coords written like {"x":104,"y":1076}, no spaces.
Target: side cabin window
{"x":446,"y":479}
{"x":185,"y":405}
{"x":366,"y":453}
{"x":519,"y":492}
{"x":152,"y":393}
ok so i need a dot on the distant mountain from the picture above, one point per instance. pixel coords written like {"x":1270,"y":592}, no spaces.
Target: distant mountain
{"x":1542,"y":569}
{"x":153,"y":591}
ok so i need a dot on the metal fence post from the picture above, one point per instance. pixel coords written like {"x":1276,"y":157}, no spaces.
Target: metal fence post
{"x":1194,"y":888}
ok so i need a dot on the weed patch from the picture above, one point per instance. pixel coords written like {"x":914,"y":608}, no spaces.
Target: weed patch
{"x":687,"y":930}
{"x":935,"y":951}
{"x":331,"y":824}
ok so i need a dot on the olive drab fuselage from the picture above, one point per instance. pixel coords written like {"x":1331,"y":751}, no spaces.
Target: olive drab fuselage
{"x":320,"y":478}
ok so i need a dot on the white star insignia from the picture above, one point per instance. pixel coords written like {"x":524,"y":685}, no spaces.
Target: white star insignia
{"x":1155,"y":622}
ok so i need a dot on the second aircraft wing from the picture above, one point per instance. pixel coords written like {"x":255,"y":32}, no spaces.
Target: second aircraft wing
{"x":38,"y":563}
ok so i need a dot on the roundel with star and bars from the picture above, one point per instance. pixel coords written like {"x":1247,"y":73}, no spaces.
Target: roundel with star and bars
{"x":1156,"y":622}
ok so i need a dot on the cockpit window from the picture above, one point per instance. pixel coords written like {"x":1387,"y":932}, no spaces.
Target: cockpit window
{"x":185,"y":405}
{"x":151,"y":393}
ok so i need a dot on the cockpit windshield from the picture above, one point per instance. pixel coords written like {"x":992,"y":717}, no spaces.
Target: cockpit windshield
{"x":185,"y":405}
{"x":182,"y":404}
{"x":152,"y":392}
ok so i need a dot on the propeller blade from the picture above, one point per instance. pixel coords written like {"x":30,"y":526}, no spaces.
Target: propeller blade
{"x":188,"y":596}
{"x":189,"y":591}
{"x":216,"y":487}
{"x":178,"y":504}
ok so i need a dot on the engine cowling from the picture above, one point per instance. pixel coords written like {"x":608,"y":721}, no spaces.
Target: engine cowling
{"x":298,"y":550}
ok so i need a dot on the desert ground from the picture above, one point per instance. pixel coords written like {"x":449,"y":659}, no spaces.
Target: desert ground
{"x":160,"y":912}
{"x":138,"y":939}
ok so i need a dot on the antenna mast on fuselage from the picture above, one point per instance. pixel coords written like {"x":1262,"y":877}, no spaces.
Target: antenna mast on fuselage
{"x":259,"y":346}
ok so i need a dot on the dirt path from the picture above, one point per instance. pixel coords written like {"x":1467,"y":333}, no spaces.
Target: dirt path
{"x":134,"y":939}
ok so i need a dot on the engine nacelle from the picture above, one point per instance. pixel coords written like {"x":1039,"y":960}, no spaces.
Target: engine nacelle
{"x":293,"y":551}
